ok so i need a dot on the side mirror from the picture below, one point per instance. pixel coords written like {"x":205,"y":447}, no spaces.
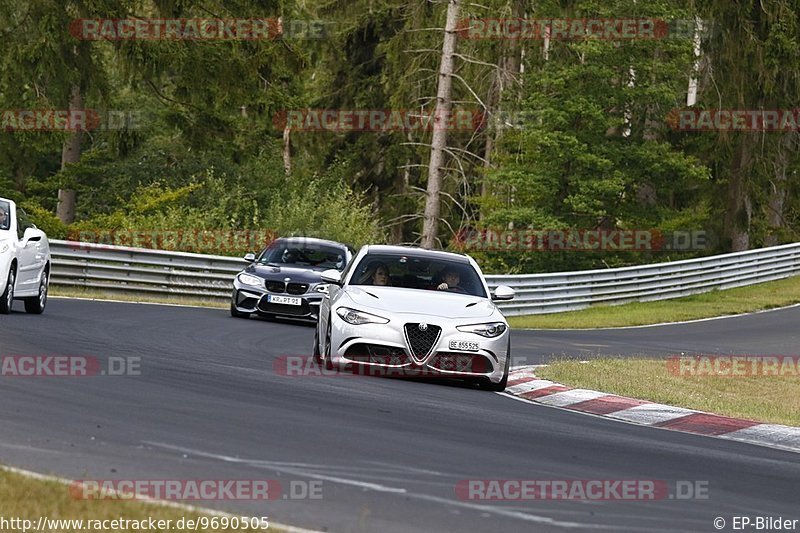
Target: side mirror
{"x":503,"y":292}
{"x":31,"y":235}
{"x":332,"y":276}
{"x":250,"y":258}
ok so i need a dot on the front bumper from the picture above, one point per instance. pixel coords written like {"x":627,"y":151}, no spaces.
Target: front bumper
{"x":384,"y":349}
{"x":247,"y":299}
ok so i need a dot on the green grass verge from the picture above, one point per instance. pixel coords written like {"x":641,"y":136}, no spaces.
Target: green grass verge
{"x":95,"y":294}
{"x":773,"y":399}
{"x":29,"y":499}
{"x":716,"y":303}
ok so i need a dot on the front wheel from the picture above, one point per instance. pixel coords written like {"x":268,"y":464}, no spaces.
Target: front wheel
{"x":501,"y":385}
{"x":36,"y":304}
{"x":316,"y":353}
{"x":235,"y":313}
{"x":326,"y":354}
{"x":7,"y":299}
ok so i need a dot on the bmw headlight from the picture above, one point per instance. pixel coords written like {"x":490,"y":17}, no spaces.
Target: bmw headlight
{"x":253,"y":281}
{"x":490,"y":330}
{"x":322,"y":287}
{"x":351,"y":316}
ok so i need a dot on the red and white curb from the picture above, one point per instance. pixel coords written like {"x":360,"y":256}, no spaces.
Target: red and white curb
{"x":523,"y":384}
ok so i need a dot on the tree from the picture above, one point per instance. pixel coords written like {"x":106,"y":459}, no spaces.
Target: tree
{"x":430,"y":231}
{"x":751,"y":54}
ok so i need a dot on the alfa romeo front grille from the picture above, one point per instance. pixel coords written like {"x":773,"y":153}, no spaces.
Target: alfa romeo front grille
{"x":421,"y":339}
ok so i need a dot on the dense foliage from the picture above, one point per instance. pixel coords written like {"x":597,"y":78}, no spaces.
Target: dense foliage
{"x":575,"y":133}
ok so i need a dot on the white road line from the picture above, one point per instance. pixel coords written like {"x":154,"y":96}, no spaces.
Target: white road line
{"x":279,"y":468}
{"x":489,"y":509}
{"x":697,"y":320}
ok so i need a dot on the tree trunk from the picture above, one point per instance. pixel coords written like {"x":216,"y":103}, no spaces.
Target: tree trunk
{"x":778,"y":190}
{"x":738,"y":212}
{"x":506,"y":72}
{"x":70,"y":153}
{"x":430,"y":228}
{"x":287,"y":150}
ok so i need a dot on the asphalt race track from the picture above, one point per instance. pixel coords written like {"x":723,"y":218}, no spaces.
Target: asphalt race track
{"x":209,"y":404}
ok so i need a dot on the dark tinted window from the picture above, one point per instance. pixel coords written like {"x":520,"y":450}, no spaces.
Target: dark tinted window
{"x":5,"y":215}
{"x":23,"y":222}
{"x":414,"y":272}
{"x":310,"y":255}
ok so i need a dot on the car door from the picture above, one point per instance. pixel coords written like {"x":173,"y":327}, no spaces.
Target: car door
{"x":29,"y":256}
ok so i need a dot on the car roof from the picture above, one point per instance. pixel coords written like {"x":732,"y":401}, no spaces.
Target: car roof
{"x":310,"y":240}
{"x":415,"y":251}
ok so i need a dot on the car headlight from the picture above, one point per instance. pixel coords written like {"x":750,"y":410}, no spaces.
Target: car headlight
{"x":351,"y":316}
{"x":490,"y":330}
{"x":322,"y":287}
{"x":253,"y":281}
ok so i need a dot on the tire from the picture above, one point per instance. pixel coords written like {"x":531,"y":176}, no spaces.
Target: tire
{"x":315,"y":351}
{"x":36,"y":304}
{"x":501,"y":385}
{"x":326,"y":356}
{"x":235,"y":313}
{"x":7,"y":299}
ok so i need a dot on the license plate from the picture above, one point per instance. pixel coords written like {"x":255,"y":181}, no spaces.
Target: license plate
{"x":464,"y":346}
{"x":285,"y":300}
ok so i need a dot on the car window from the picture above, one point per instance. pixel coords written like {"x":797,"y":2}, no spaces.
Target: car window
{"x":23,"y":223}
{"x":304,"y":254}
{"x":5,"y":216}
{"x":415,"y":272}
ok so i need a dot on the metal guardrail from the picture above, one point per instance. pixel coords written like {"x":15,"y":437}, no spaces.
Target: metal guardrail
{"x":141,"y":271}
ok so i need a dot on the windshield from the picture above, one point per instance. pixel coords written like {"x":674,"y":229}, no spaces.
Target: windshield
{"x":318,"y":256}
{"x":5,"y":215}
{"x":415,"y":272}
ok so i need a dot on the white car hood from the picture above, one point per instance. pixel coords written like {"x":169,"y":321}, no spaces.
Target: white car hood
{"x":418,"y":302}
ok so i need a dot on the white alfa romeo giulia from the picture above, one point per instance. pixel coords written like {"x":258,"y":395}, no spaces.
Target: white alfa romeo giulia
{"x":403,"y":311}
{"x":24,"y":260}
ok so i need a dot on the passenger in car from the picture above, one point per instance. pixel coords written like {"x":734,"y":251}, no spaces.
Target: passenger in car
{"x":3,"y":218}
{"x":377,"y":274}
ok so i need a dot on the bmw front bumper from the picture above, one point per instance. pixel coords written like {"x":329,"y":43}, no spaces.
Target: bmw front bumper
{"x":248,"y":299}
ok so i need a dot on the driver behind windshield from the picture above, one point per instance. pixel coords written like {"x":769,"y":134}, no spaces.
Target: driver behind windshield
{"x":3,"y":218}
{"x":290,"y":256}
{"x":451,"y":278}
